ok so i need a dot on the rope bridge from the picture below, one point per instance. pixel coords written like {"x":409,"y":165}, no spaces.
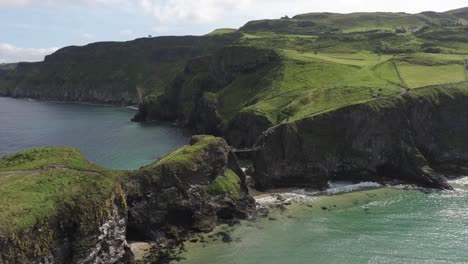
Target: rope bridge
{"x":244,"y":150}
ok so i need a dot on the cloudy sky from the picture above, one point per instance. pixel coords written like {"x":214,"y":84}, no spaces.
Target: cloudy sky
{"x":30,"y":29}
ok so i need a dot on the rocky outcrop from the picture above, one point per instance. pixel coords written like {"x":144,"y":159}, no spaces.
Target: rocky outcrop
{"x":190,"y":190}
{"x":89,"y":233}
{"x":403,"y":138}
{"x":193,"y":97}
{"x":246,"y":127}
{"x":93,"y":211}
{"x":57,"y":207}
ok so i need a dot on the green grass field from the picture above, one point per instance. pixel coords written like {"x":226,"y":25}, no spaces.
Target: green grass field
{"x":37,"y":184}
{"x":416,"y":76}
{"x":221,"y":31}
{"x":318,"y":75}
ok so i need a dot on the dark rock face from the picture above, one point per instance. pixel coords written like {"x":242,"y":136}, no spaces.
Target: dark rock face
{"x":107,"y":72}
{"x":403,"y":140}
{"x":191,"y":98}
{"x":96,"y":235}
{"x":178,"y":195}
{"x":245,"y":128}
{"x":190,"y":190}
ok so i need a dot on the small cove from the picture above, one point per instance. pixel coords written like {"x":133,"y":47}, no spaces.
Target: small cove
{"x":373,"y":225}
{"x":104,"y":134}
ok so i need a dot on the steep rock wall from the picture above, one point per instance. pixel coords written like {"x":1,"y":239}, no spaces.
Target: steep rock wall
{"x":192,"y":98}
{"x":108,"y":72}
{"x":89,"y":233}
{"x":402,"y":138}
{"x":190,"y":190}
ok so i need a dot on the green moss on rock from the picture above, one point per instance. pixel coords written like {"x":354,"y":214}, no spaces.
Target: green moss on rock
{"x":228,"y":184}
{"x":188,"y":157}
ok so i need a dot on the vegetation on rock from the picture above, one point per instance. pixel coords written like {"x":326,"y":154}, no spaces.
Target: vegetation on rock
{"x":194,"y":188}
{"x":52,"y":194}
{"x":322,"y":96}
{"x":227,"y":184}
{"x":56,"y":206}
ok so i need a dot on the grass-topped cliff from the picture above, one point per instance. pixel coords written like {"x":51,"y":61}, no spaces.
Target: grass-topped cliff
{"x":194,"y":187}
{"x":321,"y":62}
{"x":339,"y":57}
{"x":274,"y":74}
{"x":38,"y":183}
{"x":418,"y":137}
{"x":56,"y":206}
{"x":53,"y":200}
{"x":107,"y":72}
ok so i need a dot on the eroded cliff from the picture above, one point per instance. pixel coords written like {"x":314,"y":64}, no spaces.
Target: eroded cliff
{"x":57,"y":207}
{"x":107,"y":72}
{"x":206,"y":95}
{"x":409,"y":138}
{"x":191,"y":189}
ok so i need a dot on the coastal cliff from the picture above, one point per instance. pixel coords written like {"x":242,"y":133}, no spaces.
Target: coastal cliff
{"x":324,"y":96}
{"x":119,"y":73}
{"x":202,"y":95}
{"x":190,"y":190}
{"x":60,"y":208}
{"x":408,"y":138}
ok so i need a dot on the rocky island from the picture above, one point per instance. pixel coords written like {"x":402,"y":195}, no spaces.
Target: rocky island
{"x":57,"y":207}
{"x":316,"y":98}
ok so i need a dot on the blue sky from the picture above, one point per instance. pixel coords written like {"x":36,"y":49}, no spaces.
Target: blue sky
{"x":31,"y":29}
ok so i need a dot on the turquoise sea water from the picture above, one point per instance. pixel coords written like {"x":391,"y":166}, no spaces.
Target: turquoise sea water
{"x":104,"y":134}
{"x":381,"y":226}
{"x":377,"y":226}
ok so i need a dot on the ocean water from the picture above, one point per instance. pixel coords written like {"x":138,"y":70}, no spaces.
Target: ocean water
{"x":379,"y":225}
{"x":344,"y":225}
{"x":104,"y":134}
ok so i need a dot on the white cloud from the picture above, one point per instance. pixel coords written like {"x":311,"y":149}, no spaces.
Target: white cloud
{"x":14,"y":3}
{"x":10,"y":53}
{"x":126,"y":32}
{"x":208,"y":10}
{"x":170,"y":13}
{"x":180,"y":11}
{"x":161,"y":29}
{"x":87,"y":36}
{"x":194,"y":17}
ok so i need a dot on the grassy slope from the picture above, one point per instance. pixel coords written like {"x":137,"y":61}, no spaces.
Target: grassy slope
{"x":187,"y":158}
{"x":227,"y":184}
{"x":40,"y":158}
{"x":362,"y":58}
{"x":221,"y":31}
{"x":328,"y":61}
{"x":307,"y":83}
{"x":38,"y":183}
